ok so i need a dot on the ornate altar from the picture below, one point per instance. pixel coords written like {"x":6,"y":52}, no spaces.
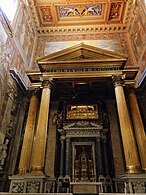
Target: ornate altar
{"x":83,"y":149}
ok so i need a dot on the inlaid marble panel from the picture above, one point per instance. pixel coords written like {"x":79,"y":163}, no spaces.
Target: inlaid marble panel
{"x":51,"y":47}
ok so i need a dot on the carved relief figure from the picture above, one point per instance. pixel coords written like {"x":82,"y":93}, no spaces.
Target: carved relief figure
{"x":3,"y":153}
{"x":94,"y":10}
{"x":46,"y":14}
{"x":114,"y":11}
{"x":87,"y":10}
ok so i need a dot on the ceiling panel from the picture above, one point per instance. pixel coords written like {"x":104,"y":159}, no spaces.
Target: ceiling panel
{"x":57,"y":13}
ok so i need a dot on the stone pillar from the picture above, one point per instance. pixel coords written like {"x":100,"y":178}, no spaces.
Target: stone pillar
{"x":67,"y":166}
{"x":99,"y":157}
{"x":139,"y":128}
{"x":38,"y":155}
{"x":62,"y":155}
{"x":130,"y":149}
{"x":105,"y":156}
{"x":24,"y":164}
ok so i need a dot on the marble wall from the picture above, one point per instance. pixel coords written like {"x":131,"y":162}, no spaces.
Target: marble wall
{"x":16,"y":44}
{"x":137,"y":37}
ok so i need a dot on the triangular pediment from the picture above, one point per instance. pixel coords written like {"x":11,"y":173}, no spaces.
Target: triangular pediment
{"x":79,"y":56}
{"x":82,"y":51}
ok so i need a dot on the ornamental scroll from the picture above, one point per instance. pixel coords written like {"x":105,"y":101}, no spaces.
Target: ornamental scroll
{"x":89,"y":111}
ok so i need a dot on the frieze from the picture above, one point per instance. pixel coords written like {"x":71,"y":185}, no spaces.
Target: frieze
{"x":82,"y":124}
{"x":82,"y":36}
{"x":83,"y":132}
{"x":83,"y":69}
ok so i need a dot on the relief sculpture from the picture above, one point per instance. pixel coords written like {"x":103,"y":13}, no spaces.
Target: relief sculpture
{"x":3,"y":153}
{"x":87,"y":10}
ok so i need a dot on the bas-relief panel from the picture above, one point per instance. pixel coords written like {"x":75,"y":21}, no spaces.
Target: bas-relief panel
{"x":24,"y":34}
{"x":137,"y":32}
{"x":82,"y":10}
{"x":51,"y":47}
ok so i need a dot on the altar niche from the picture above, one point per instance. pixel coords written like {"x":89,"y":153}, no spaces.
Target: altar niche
{"x":84,"y":148}
{"x":83,"y":163}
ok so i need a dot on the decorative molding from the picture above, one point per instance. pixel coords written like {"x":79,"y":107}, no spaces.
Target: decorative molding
{"x":98,"y":29}
{"x":83,"y":132}
{"x":82,"y":124}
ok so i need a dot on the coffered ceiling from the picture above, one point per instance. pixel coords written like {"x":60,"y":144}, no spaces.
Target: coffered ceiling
{"x":102,"y":15}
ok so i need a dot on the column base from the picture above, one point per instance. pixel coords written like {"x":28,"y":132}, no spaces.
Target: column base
{"x":134,"y":183}
{"x":133,"y":169}
{"x":36,"y":168}
{"x":23,"y":171}
{"x":31,"y":184}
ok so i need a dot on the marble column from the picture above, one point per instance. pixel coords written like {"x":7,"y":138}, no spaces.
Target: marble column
{"x":62,"y":155}
{"x":138,"y":127}
{"x":129,"y":144}
{"x":38,"y":155}
{"x":99,"y":157}
{"x":105,"y":156}
{"x":67,"y":166}
{"x":24,"y":164}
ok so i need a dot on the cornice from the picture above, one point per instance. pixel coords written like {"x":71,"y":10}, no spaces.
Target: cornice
{"x":98,"y":29}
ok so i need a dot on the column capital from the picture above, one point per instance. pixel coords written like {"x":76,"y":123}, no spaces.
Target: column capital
{"x":118,"y":80}
{"x":48,"y":83}
{"x":68,"y":139}
{"x":62,"y":138}
{"x":131,"y":90}
{"x":98,"y":139}
{"x":34,"y":92}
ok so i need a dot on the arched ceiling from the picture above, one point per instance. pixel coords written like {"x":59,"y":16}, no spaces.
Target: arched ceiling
{"x":101,"y":15}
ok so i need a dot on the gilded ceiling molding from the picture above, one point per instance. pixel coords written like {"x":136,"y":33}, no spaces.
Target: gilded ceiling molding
{"x":66,"y":17}
{"x":82,"y":29}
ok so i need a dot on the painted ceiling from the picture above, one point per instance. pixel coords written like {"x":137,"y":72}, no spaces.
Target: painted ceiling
{"x":109,"y":14}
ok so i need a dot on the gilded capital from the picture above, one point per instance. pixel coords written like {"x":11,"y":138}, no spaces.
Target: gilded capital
{"x":68,"y":139}
{"x":62,"y":139}
{"x":118,"y":80}
{"x":34,"y":92}
{"x":48,"y":83}
{"x":130,"y":89}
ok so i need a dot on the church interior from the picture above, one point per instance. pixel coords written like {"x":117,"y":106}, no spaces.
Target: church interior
{"x":73,"y":96}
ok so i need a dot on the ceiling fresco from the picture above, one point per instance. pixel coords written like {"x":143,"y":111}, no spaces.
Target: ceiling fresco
{"x":61,"y":13}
